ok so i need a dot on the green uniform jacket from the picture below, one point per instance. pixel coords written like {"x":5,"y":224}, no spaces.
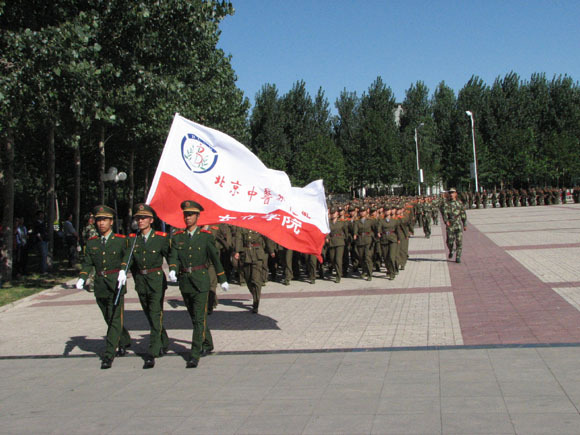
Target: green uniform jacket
{"x":107,"y":261}
{"x":338,"y":234}
{"x":364,"y":231}
{"x":194,"y":252}
{"x":250,"y":245}
{"x":455,"y":215}
{"x":387,"y":230}
{"x":147,"y":256}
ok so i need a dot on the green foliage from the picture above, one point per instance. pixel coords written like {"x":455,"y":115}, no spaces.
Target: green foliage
{"x":127,"y":67}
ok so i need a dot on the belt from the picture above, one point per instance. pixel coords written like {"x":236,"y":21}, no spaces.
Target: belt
{"x":148,"y":271}
{"x":366,"y":234}
{"x":386,"y":233}
{"x":337,"y":235}
{"x":254,"y":245}
{"x":191,"y":269}
{"x":107,"y":272}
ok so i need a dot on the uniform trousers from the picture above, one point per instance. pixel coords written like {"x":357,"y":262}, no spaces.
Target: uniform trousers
{"x":196,"y":304}
{"x":254,"y":273}
{"x":117,"y":335}
{"x":335,"y":257}
{"x":152,"y":304}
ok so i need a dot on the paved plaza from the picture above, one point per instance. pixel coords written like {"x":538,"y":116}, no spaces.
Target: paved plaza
{"x":491,"y":345}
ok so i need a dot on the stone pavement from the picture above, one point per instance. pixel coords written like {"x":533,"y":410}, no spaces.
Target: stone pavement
{"x":491,"y":345}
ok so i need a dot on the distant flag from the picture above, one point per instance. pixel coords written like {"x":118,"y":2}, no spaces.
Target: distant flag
{"x":234,"y":187}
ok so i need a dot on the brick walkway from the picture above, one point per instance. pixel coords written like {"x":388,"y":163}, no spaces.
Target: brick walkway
{"x":490,"y":345}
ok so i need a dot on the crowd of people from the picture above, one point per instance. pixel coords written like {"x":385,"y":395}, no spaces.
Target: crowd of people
{"x":519,"y":197}
{"x":368,"y":238}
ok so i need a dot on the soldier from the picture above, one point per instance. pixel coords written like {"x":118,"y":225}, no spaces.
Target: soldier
{"x":404,"y":217}
{"x":363,"y":236}
{"x":336,"y":242}
{"x":223,"y":240}
{"x":288,"y":265}
{"x":150,"y":248}
{"x":455,"y":219}
{"x":435,"y":210}
{"x":425,"y":210}
{"x":89,"y":231}
{"x":189,"y":255}
{"x":389,"y":240}
{"x":249,"y":248}
{"x":108,"y":254}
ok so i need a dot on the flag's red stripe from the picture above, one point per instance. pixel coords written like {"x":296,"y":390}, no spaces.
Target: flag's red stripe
{"x":171,"y":192}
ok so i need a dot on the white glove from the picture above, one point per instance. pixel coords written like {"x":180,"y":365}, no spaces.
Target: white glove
{"x":122,"y":278}
{"x":80,"y":284}
{"x":172,"y":276}
{"x":225,"y":286}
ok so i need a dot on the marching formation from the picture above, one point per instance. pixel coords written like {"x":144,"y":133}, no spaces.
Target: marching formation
{"x":366,"y":236}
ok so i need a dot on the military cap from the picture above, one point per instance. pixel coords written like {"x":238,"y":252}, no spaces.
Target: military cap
{"x":143,"y":210}
{"x":191,"y":206}
{"x":452,"y":190}
{"x":103,"y":211}
{"x":333,"y":210}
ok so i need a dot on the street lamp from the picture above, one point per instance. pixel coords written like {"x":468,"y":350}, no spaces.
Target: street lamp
{"x":419,"y":174}
{"x":470,"y":114}
{"x":115,"y":176}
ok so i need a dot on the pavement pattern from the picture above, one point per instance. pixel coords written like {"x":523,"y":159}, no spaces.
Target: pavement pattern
{"x":490,"y":345}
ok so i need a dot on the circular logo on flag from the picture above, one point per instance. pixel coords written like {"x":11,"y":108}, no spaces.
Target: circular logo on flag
{"x":198,"y":155}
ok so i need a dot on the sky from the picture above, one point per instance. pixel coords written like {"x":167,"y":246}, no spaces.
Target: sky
{"x":346,"y":44}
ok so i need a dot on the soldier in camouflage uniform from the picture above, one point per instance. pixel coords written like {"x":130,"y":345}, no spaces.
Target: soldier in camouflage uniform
{"x":456,"y":220}
{"x":425,"y":211}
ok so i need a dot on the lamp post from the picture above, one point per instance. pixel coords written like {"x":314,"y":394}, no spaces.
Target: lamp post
{"x":417,"y":152}
{"x":115,"y":176}
{"x":470,"y":114}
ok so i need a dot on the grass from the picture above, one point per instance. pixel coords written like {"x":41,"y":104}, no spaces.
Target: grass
{"x":33,"y":283}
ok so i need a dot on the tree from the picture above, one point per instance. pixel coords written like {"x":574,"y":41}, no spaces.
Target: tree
{"x":268,"y":140}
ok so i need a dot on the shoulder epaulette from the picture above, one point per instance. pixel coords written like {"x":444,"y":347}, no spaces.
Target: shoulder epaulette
{"x":160,"y":233}
{"x":206,"y":231}
{"x":132,"y":235}
{"x":94,"y":237}
{"x":178,"y":232}
{"x":215,"y":227}
{"x":120,"y":235}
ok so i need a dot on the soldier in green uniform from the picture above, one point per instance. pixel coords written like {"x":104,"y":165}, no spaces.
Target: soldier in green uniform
{"x":336,"y":242}
{"x":223,"y":240}
{"x":89,"y":231}
{"x":150,"y":248}
{"x":363,"y":236}
{"x":389,"y":240}
{"x":108,"y":253}
{"x":455,"y":219}
{"x":191,"y":250}
{"x":250,"y":250}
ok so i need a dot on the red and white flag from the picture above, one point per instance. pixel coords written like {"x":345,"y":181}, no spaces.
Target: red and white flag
{"x":234,"y":187}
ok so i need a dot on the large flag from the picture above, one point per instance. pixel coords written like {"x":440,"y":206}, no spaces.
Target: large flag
{"x":234,"y":187}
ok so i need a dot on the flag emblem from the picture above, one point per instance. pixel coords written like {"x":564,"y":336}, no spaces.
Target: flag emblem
{"x":198,"y":155}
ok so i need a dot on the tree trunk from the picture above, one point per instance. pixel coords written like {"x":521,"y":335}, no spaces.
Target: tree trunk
{"x":77,"y":194}
{"x":102,"y":165}
{"x":51,"y":197}
{"x":7,"y":179}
